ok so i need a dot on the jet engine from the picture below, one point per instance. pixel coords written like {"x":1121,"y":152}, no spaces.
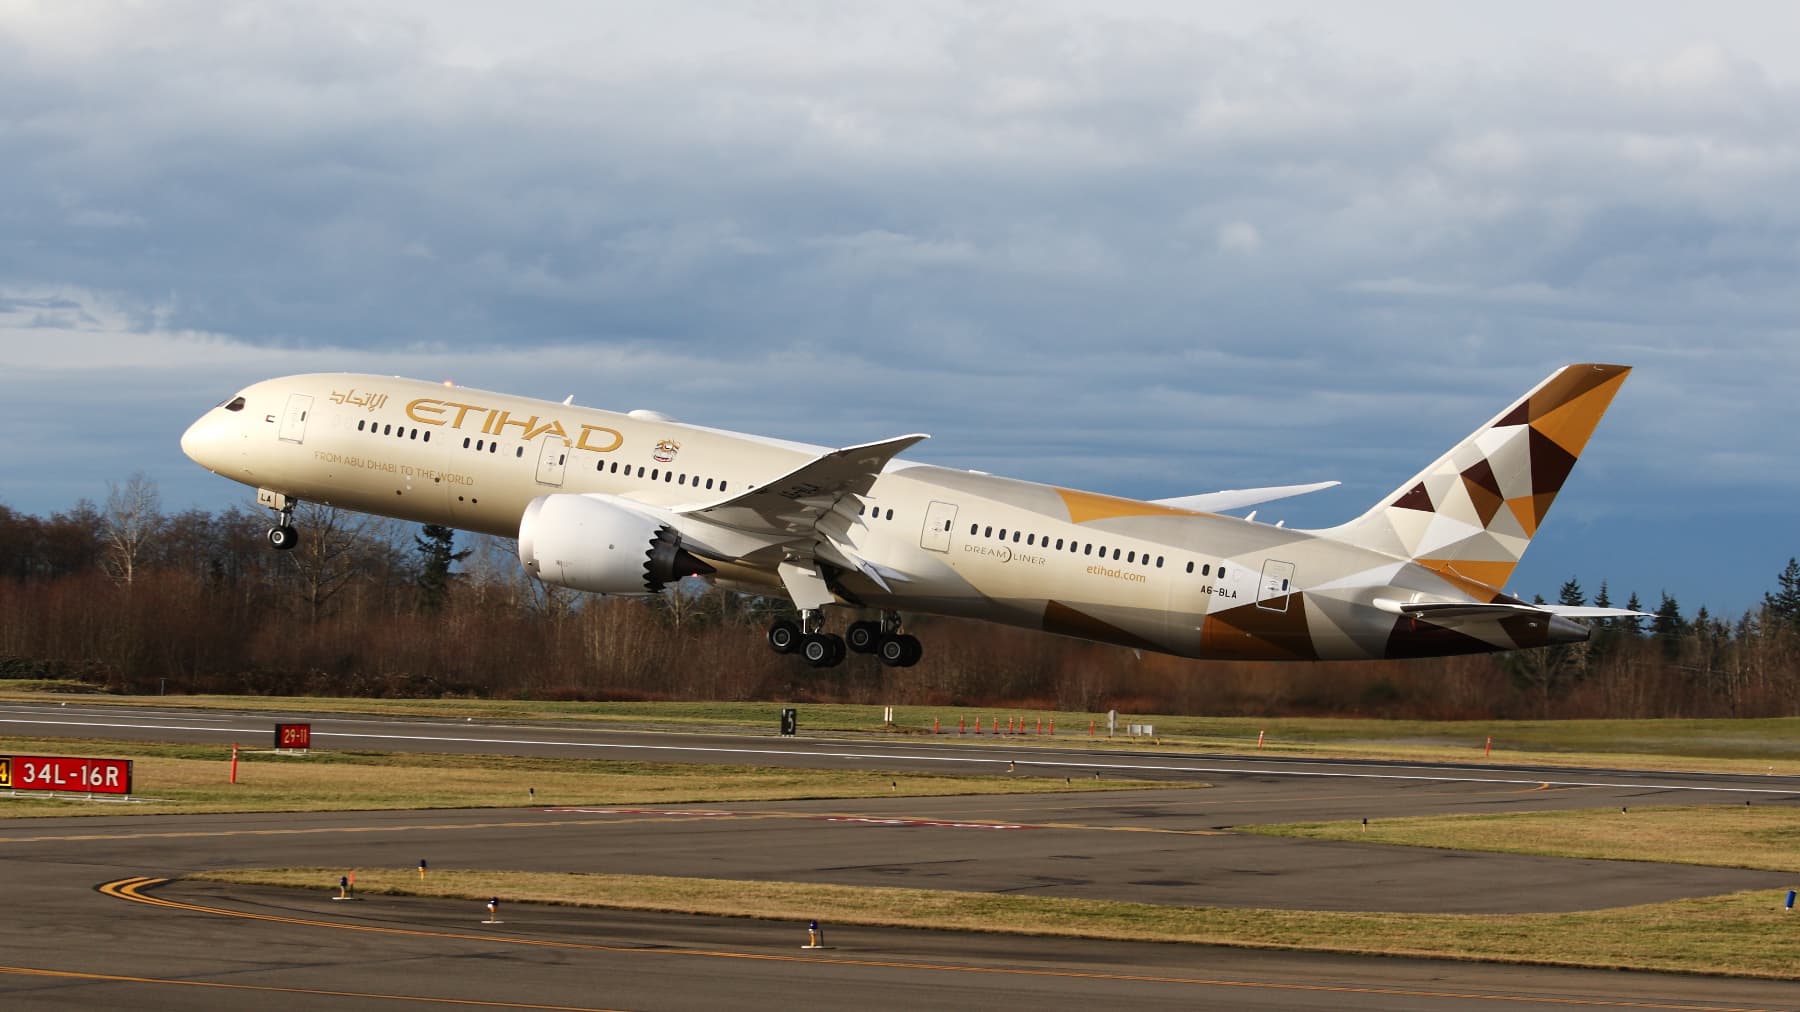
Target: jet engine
{"x":592,"y":544}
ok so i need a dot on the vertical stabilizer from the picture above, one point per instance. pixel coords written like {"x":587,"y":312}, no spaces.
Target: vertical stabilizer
{"x":1472,"y":513}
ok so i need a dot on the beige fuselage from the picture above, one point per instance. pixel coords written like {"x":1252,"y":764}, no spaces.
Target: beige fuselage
{"x":957,"y":542}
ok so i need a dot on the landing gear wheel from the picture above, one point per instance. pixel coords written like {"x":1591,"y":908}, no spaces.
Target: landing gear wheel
{"x":863,"y":637}
{"x":784,"y":637}
{"x":283,"y":537}
{"x":822,"y":650}
{"x":900,"y":651}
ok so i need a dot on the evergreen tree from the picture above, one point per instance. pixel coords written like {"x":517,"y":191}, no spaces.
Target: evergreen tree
{"x":1783,"y":606}
{"x":1633,"y":625}
{"x":436,"y":545}
{"x":1668,"y":627}
{"x":1606,"y":630}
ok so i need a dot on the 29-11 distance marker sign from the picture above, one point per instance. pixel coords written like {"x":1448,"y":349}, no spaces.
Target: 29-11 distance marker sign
{"x":63,"y":773}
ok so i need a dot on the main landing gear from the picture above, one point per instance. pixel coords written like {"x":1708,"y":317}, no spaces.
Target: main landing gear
{"x":821,"y":649}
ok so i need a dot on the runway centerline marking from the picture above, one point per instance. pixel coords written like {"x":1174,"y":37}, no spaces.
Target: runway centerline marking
{"x":131,"y":889}
{"x":1175,"y":765}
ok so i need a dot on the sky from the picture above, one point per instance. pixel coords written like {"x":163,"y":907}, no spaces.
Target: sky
{"x":1149,"y":249}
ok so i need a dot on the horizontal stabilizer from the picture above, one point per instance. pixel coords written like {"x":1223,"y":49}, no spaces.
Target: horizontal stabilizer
{"x":1451,"y":612}
{"x":1582,"y":611}
{"x":1237,"y":498}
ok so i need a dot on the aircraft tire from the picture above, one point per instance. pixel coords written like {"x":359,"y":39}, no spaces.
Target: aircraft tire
{"x":863,"y":637}
{"x":900,"y":651}
{"x":784,"y":637}
{"x":914,"y":651}
{"x":822,"y":650}
{"x":283,"y":538}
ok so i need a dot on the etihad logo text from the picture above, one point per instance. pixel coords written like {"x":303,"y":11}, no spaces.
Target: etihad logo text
{"x":495,"y":422}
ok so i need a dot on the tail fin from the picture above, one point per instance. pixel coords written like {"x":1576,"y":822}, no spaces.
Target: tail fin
{"x":1471,"y":515}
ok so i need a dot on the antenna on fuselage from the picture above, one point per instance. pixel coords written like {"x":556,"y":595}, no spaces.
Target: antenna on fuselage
{"x":568,"y":400}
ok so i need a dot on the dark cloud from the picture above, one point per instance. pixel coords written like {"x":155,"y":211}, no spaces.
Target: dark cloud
{"x":1155,"y":252}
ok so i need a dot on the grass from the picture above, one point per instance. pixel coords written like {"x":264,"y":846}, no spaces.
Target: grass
{"x":1744,"y":934}
{"x":1728,"y":836}
{"x":196,"y":779}
{"x":1770,"y":745}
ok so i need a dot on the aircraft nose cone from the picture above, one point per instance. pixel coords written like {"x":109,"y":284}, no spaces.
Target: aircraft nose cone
{"x":201,"y":442}
{"x":190,"y":441}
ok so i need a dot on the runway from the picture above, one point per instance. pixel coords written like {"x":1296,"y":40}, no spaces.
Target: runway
{"x":68,"y":942}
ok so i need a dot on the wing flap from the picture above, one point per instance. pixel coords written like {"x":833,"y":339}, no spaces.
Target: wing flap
{"x":794,"y":503}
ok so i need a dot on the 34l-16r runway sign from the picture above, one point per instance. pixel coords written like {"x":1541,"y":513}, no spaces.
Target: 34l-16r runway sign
{"x":60,"y":773}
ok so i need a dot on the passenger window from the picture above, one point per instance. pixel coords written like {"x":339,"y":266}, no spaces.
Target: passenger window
{"x":890,"y":514}
{"x":1002,"y":534}
{"x":1059,"y":542}
{"x":465,"y":442}
{"x":1030,"y":539}
{"x":493,"y":447}
{"x":990,"y":532}
{"x":709,"y":483}
{"x":359,"y":426}
{"x":640,"y":470}
{"x":1015,"y":537}
{"x":1190,"y":566}
{"x":721,"y":486}
{"x":973,"y":528}
{"x":1087,"y":549}
{"x":387,"y":430}
{"x":668,"y":476}
{"x":1159,"y":562}
{"x":520,"y":452}
{"x":1221,"y":572}
{"x":1131,"y":557}
{"x":1115,"y":555}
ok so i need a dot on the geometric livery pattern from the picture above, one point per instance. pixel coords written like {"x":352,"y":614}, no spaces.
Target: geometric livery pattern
{"x":1471,"y":514}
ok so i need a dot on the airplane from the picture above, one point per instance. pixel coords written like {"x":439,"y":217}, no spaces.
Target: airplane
{"x":632,"y":503}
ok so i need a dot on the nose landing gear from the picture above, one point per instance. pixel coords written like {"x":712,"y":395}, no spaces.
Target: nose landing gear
{"x":284,"y":536}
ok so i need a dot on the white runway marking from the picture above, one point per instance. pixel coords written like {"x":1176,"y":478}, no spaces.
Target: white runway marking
{"x":1090,"y":765}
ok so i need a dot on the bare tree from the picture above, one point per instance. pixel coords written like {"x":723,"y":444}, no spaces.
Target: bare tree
{"x":131,"y":516}
{"x":336,"y":547}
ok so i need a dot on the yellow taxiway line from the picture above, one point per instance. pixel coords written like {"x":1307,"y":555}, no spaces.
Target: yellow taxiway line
{"x":133,"y":889}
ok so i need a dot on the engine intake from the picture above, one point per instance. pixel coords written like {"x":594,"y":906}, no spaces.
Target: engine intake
{"x":597,"y":545}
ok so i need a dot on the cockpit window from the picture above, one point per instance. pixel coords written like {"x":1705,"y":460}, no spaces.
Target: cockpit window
{"x":235,"y":404}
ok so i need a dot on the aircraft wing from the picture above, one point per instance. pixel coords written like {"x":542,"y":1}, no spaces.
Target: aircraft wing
{"x":1230,"y":499}
{"x":792,"y":505}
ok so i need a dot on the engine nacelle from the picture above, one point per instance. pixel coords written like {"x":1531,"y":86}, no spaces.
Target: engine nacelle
{"x":591,"y":544}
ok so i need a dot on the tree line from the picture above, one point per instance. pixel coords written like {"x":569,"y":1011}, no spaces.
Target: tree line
{"x":128,"y":598}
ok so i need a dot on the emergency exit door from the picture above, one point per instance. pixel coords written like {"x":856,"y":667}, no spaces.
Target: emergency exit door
{"x":1277,"y":586}
{"x":940,"y":517}
{"x":293,"y":420}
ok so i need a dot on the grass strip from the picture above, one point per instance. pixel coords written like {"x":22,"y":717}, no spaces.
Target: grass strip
{"x":196,"y":779}
{"x":1743,"y":934}
{"x":1765,"y":837}
{"x":1767,"y":745}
